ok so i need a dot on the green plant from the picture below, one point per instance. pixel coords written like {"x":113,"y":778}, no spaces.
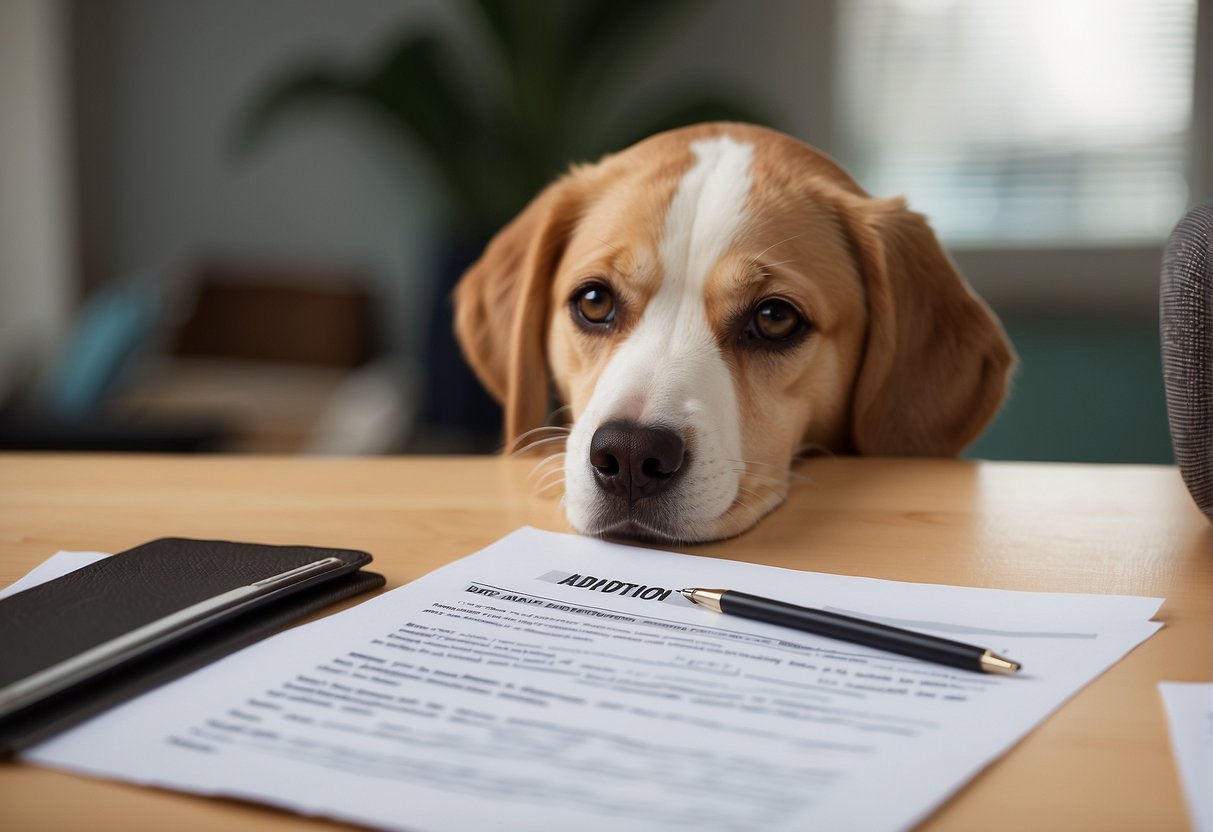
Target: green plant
{"x":537,"y":86}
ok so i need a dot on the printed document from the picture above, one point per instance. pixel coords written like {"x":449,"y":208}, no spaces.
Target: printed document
{"x":1189,"y":707}
{"x":559,"y":682}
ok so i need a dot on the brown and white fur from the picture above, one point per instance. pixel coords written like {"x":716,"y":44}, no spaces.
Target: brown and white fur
{"x":702,"y":242}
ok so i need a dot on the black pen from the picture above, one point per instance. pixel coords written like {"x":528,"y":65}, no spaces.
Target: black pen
{"x":855,"y":630}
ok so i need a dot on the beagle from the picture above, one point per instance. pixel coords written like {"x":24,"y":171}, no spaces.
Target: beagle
{"x":708,"y":304}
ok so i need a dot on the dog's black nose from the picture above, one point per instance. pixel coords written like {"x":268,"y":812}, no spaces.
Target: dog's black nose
{"x":633,"y":461}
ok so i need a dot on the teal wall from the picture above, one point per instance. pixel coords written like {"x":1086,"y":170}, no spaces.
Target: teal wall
{"x":1084,"y":392}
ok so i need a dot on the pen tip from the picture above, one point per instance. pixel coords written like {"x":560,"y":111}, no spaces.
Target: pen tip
{"x":993,"y":663}
{"x":689,"y":594}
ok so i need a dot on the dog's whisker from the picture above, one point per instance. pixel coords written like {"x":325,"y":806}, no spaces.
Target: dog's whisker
{"x":523,"y":445}
{"x":556,"y":460}
{"x":754,"y":504}
{"x":546,"y":466}
{"x":539,"y":442}
{"x":516,"y":446}
{"x":559,"y":454}
{"x":549,"y":458}
{"x":759,"y":476}
{"x":755,"y":462}
{"x":753,"y":512}
{"x":541,"y":430}
{"x":780,"y":263}
{"x":749,"y":462}
{"x":524,"y":451}
{"x":555,"y":472}
{"x":549,"y":489}
{"x":561,"y":430}
{"x":544,"y":476}
{"x":553,"y":475}
{"x":784,"y":471}
{"x":744,"y":512}
{"x":756,"y":495}
{"x":773,"y":245}
{"x":537,"y":473}
{"x":555,"y":414}
{"x":736,"y":523}
{"x":778,"y":486}
{"x":556,"y":467}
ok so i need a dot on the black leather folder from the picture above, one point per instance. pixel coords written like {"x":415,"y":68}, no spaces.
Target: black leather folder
{"x":82,"y":643}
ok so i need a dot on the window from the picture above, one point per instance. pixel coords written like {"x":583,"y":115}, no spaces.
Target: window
{"x":1023,"y":122}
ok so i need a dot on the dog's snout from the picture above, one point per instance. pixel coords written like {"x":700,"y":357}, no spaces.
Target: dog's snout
{"x":634,"y":461}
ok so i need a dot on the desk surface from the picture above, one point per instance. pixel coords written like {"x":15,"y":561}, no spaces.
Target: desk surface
{"x":1101,"y":762}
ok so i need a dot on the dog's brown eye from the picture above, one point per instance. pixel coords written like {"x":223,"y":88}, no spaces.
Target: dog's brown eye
{"x":595,"y":304}
{"x":776,"y":320}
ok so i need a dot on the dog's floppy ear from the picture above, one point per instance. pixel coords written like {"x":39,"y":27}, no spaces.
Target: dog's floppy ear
{"x":501,"y":305}
{"x":937,"y":362}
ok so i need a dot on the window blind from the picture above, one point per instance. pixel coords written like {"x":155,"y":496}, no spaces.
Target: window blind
{"x":1023,"y":122}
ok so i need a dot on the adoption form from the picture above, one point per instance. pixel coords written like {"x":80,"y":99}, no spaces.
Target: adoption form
{"x":552,"y":680}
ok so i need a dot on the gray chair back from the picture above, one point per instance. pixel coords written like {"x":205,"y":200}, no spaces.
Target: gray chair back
{"x":1187,"y":350}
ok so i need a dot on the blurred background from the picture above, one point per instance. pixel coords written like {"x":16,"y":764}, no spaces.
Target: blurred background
{"x":233,"y":225}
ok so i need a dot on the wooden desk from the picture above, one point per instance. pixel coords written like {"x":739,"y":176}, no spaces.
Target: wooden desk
{"x":1102,"y":762}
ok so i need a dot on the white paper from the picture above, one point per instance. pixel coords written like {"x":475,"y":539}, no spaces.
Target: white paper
{"x":56,"y":566}
{"x":1189,"y":707}
{"x":489,"y":694}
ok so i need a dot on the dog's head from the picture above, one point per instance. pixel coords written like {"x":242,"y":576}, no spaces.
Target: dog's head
{"x":708,"y":303}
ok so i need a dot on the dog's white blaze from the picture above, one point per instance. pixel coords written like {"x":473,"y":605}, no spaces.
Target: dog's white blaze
{"x":670,"y":371}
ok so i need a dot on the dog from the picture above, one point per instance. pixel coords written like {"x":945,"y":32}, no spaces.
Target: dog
{"x":707,"y":304}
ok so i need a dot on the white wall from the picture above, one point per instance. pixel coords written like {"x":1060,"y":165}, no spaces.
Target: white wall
{"x":35,"y":241}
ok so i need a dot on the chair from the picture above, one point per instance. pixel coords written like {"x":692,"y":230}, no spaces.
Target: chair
{"x":1186,"y":318}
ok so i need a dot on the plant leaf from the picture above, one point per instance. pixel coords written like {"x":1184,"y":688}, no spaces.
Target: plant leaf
{"x":476,"y":147}
{"x":608,"y":37}
{"x":614,"y":26}
{"x":287,"y":94}
{"x":414,"y":90}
